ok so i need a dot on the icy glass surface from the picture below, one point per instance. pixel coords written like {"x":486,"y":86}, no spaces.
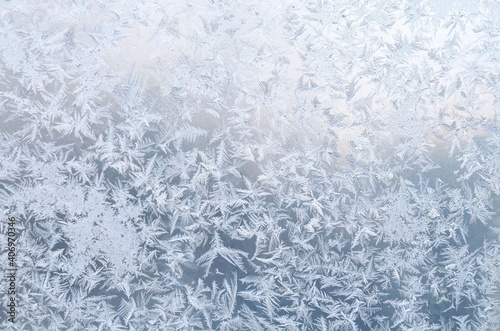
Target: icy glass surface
{"x":251,"y":165}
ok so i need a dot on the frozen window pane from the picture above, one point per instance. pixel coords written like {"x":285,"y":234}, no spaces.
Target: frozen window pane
{"x":250,"y":165}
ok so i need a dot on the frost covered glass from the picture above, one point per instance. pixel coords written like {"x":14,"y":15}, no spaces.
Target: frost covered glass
{"x":250,"y":165}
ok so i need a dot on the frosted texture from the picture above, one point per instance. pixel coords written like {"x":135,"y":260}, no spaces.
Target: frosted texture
{"x":252,"y":165}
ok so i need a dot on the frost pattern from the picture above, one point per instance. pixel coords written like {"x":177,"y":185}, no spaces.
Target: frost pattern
{"x":239,"y":165}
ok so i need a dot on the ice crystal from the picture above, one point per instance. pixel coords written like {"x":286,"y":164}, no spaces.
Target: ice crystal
{"x":243,"y":165}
